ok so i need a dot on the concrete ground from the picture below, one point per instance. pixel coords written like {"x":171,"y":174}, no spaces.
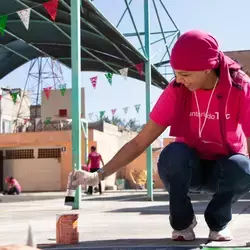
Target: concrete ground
{"x":115,"y":219}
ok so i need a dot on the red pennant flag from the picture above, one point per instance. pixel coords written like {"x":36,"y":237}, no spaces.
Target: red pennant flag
{"x":139,"y":68}
{"x":51,"y":8}
{"x":113,"y":111}
{"x":47,"y":92}
{"x":94,"y":81}
{"x":1,"y":97}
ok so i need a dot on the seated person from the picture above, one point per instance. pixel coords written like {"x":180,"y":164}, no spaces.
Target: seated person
{"x":139,"y":178}
{"x":13,"y":186}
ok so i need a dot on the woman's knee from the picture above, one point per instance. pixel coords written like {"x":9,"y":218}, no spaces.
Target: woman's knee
{"x":174,"y":158}
{"x":236,"y":171}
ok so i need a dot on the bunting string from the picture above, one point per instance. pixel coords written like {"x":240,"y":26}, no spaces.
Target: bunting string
{"x":51,"y":7}
{"x":24,"y":15}
{"x":105,"y":113}
{"x":123,"y":72}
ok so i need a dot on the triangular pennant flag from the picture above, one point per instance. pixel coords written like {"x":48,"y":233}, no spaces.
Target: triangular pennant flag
{"x":24,"y":15}
{"x":102,"y":114}
{"x":139,"y":68}
{"x":113,"y":111}
{"x":124,"y":72}
{"x":48,"y":120}
{"x":1,"y":97}
{"x":62,"y":88}
{"x":137,"y":107}
{"x":14,"y":96}
{"x":94,"y":81}
{"x":125,"y":109}
{"x":109,"y":76}
{"x":3,"y":21}
{"x":51,"y":8}
{"x":47,"y":92}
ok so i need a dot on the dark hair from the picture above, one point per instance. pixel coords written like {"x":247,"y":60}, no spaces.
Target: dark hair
{"x":11,"y":178}
{"x":93,"y":148}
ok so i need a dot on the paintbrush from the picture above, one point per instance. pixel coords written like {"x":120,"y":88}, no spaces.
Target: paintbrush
{"x":71,"y":190}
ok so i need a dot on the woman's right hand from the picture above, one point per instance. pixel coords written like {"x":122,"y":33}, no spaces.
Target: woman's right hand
{"x":82,"y":177}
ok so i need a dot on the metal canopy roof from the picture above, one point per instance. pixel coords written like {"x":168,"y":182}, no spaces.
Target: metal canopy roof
{"x":104,"y":49}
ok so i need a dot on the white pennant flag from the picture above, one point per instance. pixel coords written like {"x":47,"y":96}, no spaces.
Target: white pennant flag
{"x":25,"y":17}
{"x":124,"y":72}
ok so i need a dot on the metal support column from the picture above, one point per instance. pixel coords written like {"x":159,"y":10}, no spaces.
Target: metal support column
{"x":76,"y":91}
{"x":148,"y":95}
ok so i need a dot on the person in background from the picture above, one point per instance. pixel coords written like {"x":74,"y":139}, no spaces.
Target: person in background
{"x":207,"y":107}
{"x":95,"y":160}
{"x":13,"y":186}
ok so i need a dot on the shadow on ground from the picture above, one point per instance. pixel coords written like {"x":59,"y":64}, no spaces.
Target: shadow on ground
{"x":163,"y":196}
{"x":199,"y":208}
{"x":166,"y":243}
{"x":200,"y":202}
{"x":160,"y":196}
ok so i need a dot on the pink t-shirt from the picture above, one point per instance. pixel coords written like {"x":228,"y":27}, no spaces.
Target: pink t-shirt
{"x":14,"y":182}
{"x":210,"y":143}
{"x":95,"y":160}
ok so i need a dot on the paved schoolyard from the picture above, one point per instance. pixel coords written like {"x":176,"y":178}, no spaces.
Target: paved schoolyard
{"x":115,"y":219}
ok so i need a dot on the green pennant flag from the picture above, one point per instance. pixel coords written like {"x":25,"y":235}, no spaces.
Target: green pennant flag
{"x":3,"y":21}
{"x":109,"y":77}
{"x":137,"y":107}
{"x":62,"y":89}
{"x":14,"y":96}
{"x":47,"y":121}
{"x":102,"y":114}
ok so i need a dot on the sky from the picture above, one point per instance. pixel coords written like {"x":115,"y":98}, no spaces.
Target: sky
{"x":227,"y":20}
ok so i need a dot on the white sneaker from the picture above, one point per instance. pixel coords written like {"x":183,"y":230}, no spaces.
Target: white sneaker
{"x":223,"y":235}
{"x":185,"y":234}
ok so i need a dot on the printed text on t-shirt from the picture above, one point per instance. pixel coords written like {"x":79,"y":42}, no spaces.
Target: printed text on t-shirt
{"x":213,"y":116}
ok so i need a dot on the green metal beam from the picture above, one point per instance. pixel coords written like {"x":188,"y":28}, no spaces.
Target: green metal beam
{"x":101,"y":35}
{"x":68,"y":36}
{"x":133,"y":22}
{"x":148,"y":95}
{"x":152,"y":33}
{"x":76,"y":91}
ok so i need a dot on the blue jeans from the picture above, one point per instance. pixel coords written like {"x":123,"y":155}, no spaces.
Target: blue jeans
{"x":181,"y":170}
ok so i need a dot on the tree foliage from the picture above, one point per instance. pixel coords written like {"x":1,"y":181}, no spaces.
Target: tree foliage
{"x":131,"y":124}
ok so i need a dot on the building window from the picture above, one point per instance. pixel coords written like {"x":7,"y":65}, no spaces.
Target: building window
{"x":19,"y":154}
{"x":6,"y":126}
{"x":63,"y":112}
{"x":49,"y":153}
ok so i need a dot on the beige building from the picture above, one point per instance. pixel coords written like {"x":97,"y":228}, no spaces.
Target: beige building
{"x":109,"y":139}
{"x":58,"y":107}
{"x":14,"y":116}
{"x":42,"y":160}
